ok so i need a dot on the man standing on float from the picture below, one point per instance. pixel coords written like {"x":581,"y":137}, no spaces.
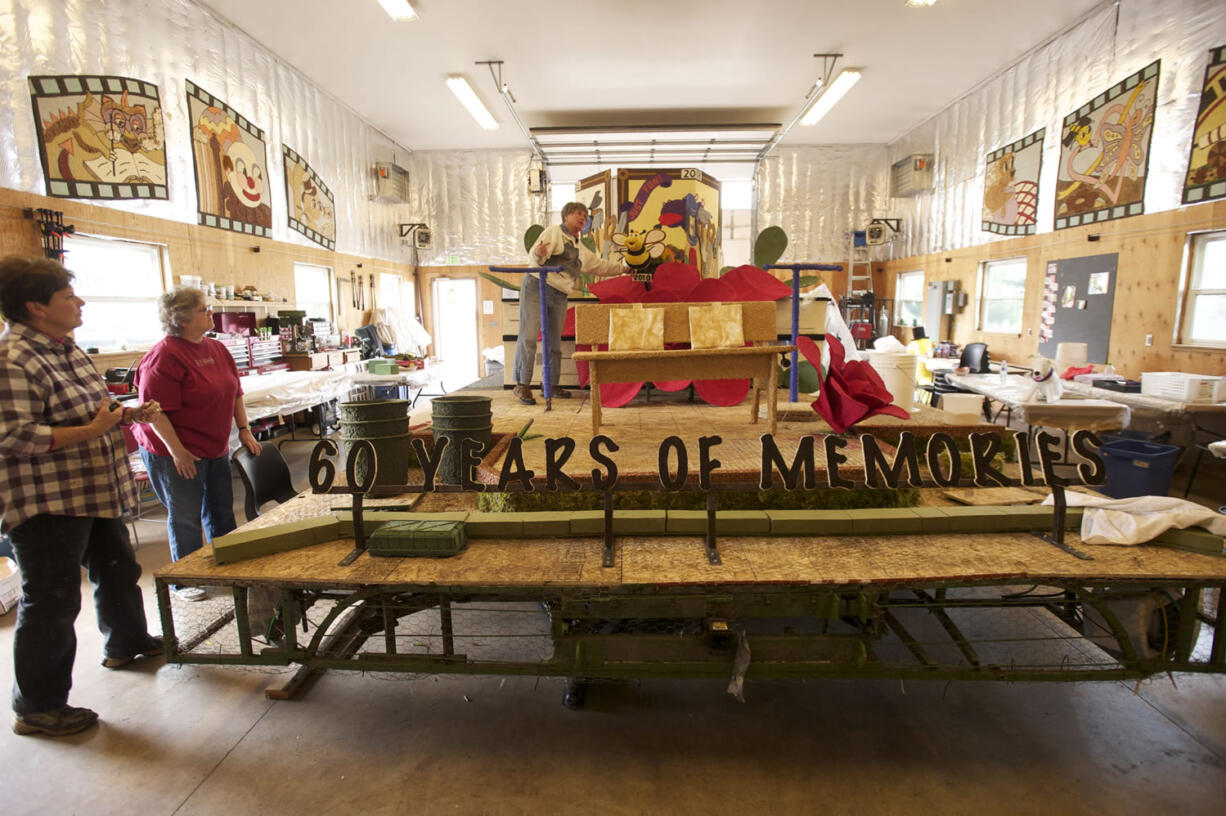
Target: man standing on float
{"x":558,"y":245}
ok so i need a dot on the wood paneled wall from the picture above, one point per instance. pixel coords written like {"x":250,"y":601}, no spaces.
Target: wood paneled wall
{"x":1151,"y":258}
{"x":220,"y":256}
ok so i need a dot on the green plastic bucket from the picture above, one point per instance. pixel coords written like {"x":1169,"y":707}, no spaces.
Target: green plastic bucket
{"x":357,"y":429}
{"x":373,"y":409}
{"x":457,"y":417}
{"x":393,"y":455}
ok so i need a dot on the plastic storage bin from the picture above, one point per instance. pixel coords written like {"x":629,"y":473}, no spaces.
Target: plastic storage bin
{"x":1137,"y":468}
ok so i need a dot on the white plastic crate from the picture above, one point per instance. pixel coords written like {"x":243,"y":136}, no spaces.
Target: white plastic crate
{"x":1176,"y":385}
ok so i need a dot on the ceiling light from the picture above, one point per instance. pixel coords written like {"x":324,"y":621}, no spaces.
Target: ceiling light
{"x":921,"y":3}
{"x":830,"y":97}
{"x":468,"y":98}
{"x":398,"y":10}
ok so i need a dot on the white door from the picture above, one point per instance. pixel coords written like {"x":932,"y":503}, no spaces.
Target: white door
{"x":455,"y":330}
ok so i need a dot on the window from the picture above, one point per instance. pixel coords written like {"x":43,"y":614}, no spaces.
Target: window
{"x":1204,"y":306}
{"x":313,"y":290}
{"x":1002,"y":290}
{"x":909,"y":299}
{"x":120,"y":282}
{"x":396,"y":293}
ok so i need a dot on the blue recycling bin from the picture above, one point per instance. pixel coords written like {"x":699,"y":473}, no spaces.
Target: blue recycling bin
{"x":1136,"y":468}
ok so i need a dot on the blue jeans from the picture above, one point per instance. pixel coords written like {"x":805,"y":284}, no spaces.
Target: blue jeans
{"x":192,"y":505}
{"x":530,"y":325}
{"x":50,"y":552}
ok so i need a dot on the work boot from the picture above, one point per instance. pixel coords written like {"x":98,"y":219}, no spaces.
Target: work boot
{"x":153,"y":647}
{"x":560,"y":392}
{"x":59,"y":722}
{"x":524,"y":394}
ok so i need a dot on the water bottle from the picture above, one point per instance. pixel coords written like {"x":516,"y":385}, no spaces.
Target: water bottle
{"x":1004,"y":372}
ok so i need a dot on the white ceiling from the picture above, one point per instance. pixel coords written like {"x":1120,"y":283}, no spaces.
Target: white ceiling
{"x":634,"y":62}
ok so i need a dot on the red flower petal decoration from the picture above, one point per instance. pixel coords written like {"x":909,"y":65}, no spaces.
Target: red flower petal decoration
{"x":752,"y":283}
{"x":850,"y":391}
{"x":711,"y":290}
{"x":675,"y":277}
{"x":622,"y":286}
{"x":615,"y":395}
{"x":723,"y":392}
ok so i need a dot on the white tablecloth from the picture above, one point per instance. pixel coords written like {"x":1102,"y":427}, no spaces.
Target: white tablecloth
{"x":1017,"y":392}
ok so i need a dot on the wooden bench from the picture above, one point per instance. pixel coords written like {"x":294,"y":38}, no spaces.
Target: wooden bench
{"x":759,"y":362}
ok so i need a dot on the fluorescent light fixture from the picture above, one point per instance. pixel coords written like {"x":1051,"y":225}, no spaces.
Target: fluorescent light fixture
{"x":921,"y":3}
{"x":398,"y":10}
{"x":468,"y":98}
{"x":830,"y":97}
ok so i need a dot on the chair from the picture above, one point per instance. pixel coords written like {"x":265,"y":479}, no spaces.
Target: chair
{"x":1202,"y":437}
{"x":139,"y":475}
{"x":265,"y":478}
{"x":975,"y":358}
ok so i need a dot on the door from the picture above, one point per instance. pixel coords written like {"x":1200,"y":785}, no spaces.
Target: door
{"x":455,"y":330}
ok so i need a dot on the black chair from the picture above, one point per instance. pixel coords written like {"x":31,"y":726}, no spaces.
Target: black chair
{"x":1201,"y":439}
{"x":975,"y":358}
{"x":265,"y":478}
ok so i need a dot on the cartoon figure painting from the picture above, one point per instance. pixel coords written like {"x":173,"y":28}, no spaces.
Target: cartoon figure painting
{"x":312,"y":209}
{"x":100,"y":136}
{"x":1104,"y":154}
{"x":595,"y":192}
{"x":1011,"y":186}
{"x":681,"y":205}
{"x":1206,"y":178}
{"x":231,"y":169}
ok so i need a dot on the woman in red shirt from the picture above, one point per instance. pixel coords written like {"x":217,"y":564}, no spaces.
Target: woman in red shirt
{"x":186,"y":450}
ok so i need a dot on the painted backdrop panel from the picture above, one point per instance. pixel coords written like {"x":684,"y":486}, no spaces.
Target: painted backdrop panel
{"x":684,"y":203}
{"x":1206,"y":179}
{"x":231,"y":165}
{"x":1104,"y":155}
{"x":99,"y":137}
{"x":308,"y":201}
{"x":1011,"y":186}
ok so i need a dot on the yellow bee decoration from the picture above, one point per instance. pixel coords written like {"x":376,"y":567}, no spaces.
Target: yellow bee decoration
{"x":639,"y":247}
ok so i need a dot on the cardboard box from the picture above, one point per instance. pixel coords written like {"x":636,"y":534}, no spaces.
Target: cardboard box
{"x":10,"y":585}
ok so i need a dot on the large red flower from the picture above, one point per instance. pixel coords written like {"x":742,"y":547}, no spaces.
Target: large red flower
{"x":851,"y":389}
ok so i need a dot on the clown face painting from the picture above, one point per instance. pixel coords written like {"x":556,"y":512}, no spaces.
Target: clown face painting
{"x":231,"y":170}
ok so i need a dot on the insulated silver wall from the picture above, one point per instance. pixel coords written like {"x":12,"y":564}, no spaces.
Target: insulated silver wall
{"x":1115,"y":39}
{"x":817,"y":193}
{"x":168,"y":41}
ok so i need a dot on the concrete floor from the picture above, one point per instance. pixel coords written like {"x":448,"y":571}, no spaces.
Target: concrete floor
{"x":188,"y":740}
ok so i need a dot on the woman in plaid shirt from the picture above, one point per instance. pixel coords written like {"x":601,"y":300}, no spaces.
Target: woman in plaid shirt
{"x":64,"y":483}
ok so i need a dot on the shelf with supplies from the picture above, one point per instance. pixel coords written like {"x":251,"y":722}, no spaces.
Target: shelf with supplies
{"x":258,"y":353}
{"x":270,"y":306}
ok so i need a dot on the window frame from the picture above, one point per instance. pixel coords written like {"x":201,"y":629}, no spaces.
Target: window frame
{"x":329,"y":284}
{"x":1189,"y":289}
{"x":161,"y":258}
{"x":898,"y":300}
{"x":984,"y":279}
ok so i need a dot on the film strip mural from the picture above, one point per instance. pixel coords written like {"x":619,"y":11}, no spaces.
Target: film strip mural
{"x":1011,"y":186}
{"x":99,"y":137}
{"x":1104,"y":153}
{"x":309,"y":202}
{"x":1206,"y":179}
{"x":230,"y":160}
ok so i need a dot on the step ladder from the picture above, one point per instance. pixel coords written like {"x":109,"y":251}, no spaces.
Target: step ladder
{"x":859,"y":267}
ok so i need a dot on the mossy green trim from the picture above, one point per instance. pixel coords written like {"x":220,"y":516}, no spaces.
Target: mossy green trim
{"x":246,"y":544}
